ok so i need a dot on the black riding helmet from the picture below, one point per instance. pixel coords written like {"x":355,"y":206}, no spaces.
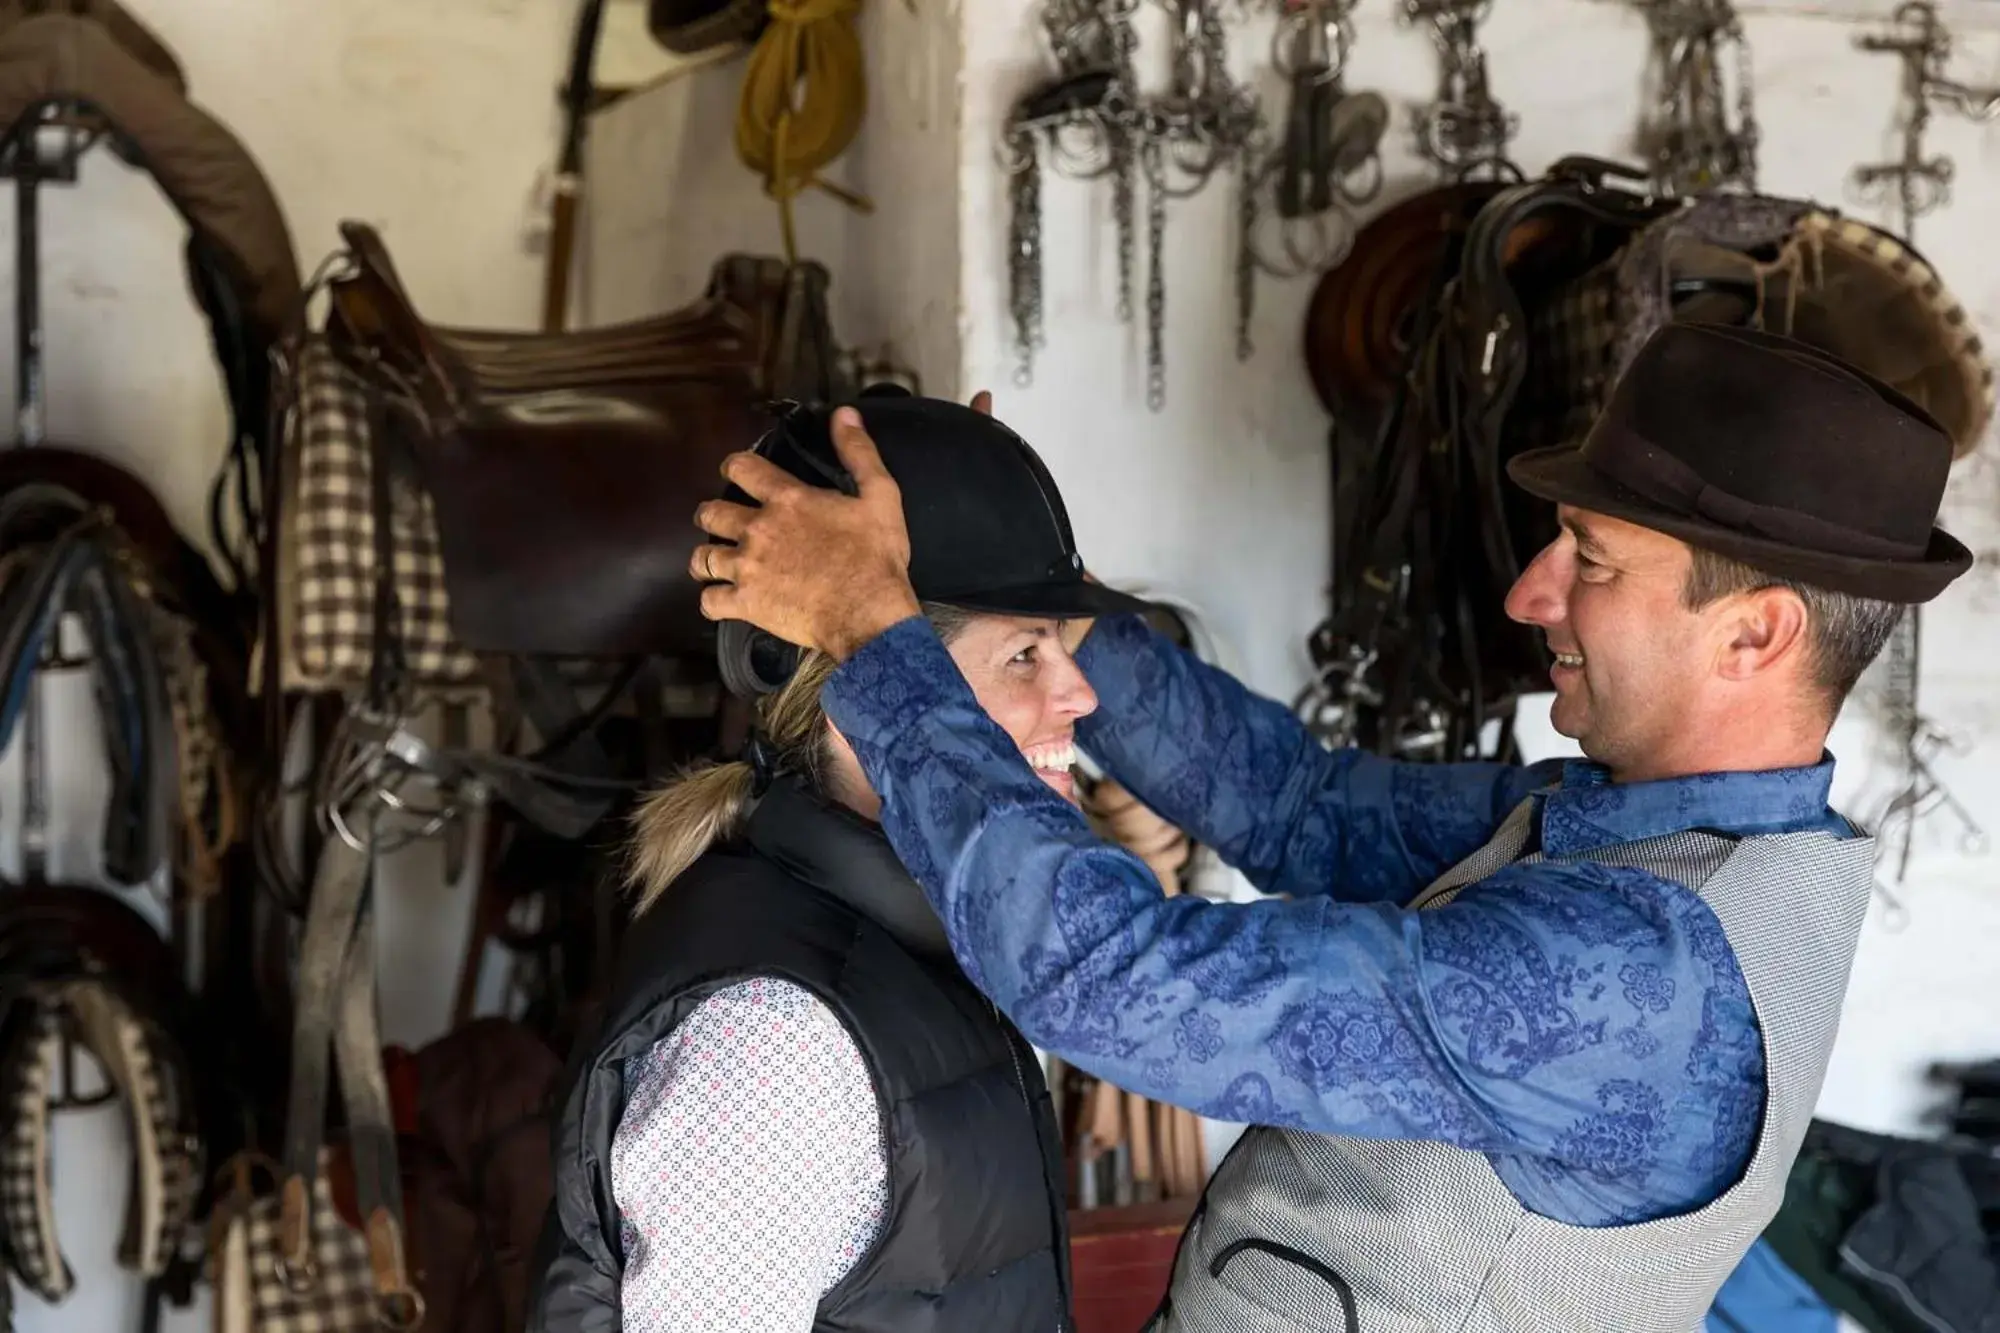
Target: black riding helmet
{"x":988,"y":530}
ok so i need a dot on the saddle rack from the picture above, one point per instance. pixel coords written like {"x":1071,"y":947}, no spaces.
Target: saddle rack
{"x":44,"y":147}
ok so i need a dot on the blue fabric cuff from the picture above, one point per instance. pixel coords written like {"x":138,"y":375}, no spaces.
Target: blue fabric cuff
{"x":891,"y":681}
{"x":1113,"y":638}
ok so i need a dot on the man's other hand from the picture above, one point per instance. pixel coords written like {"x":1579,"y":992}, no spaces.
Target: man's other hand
{"x":810,"y":565}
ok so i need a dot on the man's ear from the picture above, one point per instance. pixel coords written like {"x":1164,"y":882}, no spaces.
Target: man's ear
{"x":1761,"y":630}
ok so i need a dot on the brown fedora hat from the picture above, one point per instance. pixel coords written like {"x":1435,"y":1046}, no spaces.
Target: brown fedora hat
{"x":1769,"y":451}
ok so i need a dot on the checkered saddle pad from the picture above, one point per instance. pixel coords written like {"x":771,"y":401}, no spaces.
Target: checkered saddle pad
{"x":252,"y":1290}
{"x":326,"y":544}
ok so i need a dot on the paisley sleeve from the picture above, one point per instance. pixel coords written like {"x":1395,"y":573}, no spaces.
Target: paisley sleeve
{"x":1240,"y":773}
{"x":1550,"y":1014}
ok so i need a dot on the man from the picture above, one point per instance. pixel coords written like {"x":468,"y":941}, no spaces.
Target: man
{"x":1523,"y":1048}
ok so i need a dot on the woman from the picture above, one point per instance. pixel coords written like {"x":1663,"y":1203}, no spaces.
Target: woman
{"x":798,"y":1113}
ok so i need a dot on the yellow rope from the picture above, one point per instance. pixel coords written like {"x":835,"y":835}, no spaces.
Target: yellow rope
{"x":804,"y":92}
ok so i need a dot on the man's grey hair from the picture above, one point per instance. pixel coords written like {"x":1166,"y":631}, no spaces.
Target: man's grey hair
{"x":1847,"y":632}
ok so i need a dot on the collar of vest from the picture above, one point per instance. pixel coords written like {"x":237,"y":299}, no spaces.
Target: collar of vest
{"x":839,"y":853}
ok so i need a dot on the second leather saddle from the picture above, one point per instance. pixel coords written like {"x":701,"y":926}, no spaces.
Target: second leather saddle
{"x":564,"y":469}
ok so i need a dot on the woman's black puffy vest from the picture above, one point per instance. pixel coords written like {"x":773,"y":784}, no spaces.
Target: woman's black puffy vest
{"x":974,"y":1236}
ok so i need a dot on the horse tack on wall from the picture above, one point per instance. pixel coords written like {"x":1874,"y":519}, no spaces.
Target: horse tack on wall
{"x":86,"y":963}
{"x":96,"y":63}
{"x":453,"y":498}
{"x":501,"y":518}
{"x":1918,"y":184}
{"x":167,"y":648}
{"x":1293,"y":197}
{"x":1494,"y":319}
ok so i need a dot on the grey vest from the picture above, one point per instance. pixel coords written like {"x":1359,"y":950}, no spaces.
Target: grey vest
{"x":1325,"y":1232}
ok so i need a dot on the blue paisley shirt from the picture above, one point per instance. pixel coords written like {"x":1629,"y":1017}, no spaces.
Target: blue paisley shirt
{"x":1584,"y":1026}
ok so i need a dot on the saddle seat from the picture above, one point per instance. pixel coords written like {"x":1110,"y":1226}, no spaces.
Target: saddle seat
{"x":563,"y":469}
{"x":728,"y":319}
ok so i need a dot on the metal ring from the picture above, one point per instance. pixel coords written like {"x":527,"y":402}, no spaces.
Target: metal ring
{"x":340,"y":829}
{"x":1016,"y":150}
{"x":1066,"y":161}
{"x":1334,"y":222}
{"x":401,"y":1309}
{"x":302,"y":1277}
{"x":1374,"y":179}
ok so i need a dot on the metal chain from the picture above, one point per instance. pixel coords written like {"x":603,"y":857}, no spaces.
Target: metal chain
{"x":1465,"y":130}
{"x":1923,"y":44}
{"x":1024,"y":258}
{"x":1093,"y":123}
{"x":1123,"y":183}
{"x":1750,"y":136}
{"x":1246,"y":254}
{"x":1689,"y":139}
{"x":1156,"y":286}
{"x":1920,"y":184}
{"x":1078,"y":35}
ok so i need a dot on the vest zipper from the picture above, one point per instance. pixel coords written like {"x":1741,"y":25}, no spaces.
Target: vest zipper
{"x":1014,"y":1054}
{"x":1061,"y":1232}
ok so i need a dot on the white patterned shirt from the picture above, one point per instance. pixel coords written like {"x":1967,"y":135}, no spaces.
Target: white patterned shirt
{"x":748,"y":1167}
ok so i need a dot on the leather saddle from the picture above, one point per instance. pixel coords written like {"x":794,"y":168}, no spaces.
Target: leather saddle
{"x":241,"y":261}
{"x":174,"y":574}
{"x":1357,"y":326}
{"x":563,"y":469}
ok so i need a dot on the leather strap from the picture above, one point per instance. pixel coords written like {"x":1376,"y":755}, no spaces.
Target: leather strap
{"x":78,"y":572}
{"x":336,"y":999}
{"x":567,"y":793}
{"x":1423,"y":525}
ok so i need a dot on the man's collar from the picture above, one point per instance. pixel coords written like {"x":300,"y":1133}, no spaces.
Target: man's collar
{"x":1587,"y":810}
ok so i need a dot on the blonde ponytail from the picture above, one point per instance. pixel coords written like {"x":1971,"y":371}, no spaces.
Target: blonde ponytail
{"x":707,"y":804}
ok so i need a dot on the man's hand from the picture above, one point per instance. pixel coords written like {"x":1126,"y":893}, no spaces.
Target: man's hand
{"x":813,"y":566}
